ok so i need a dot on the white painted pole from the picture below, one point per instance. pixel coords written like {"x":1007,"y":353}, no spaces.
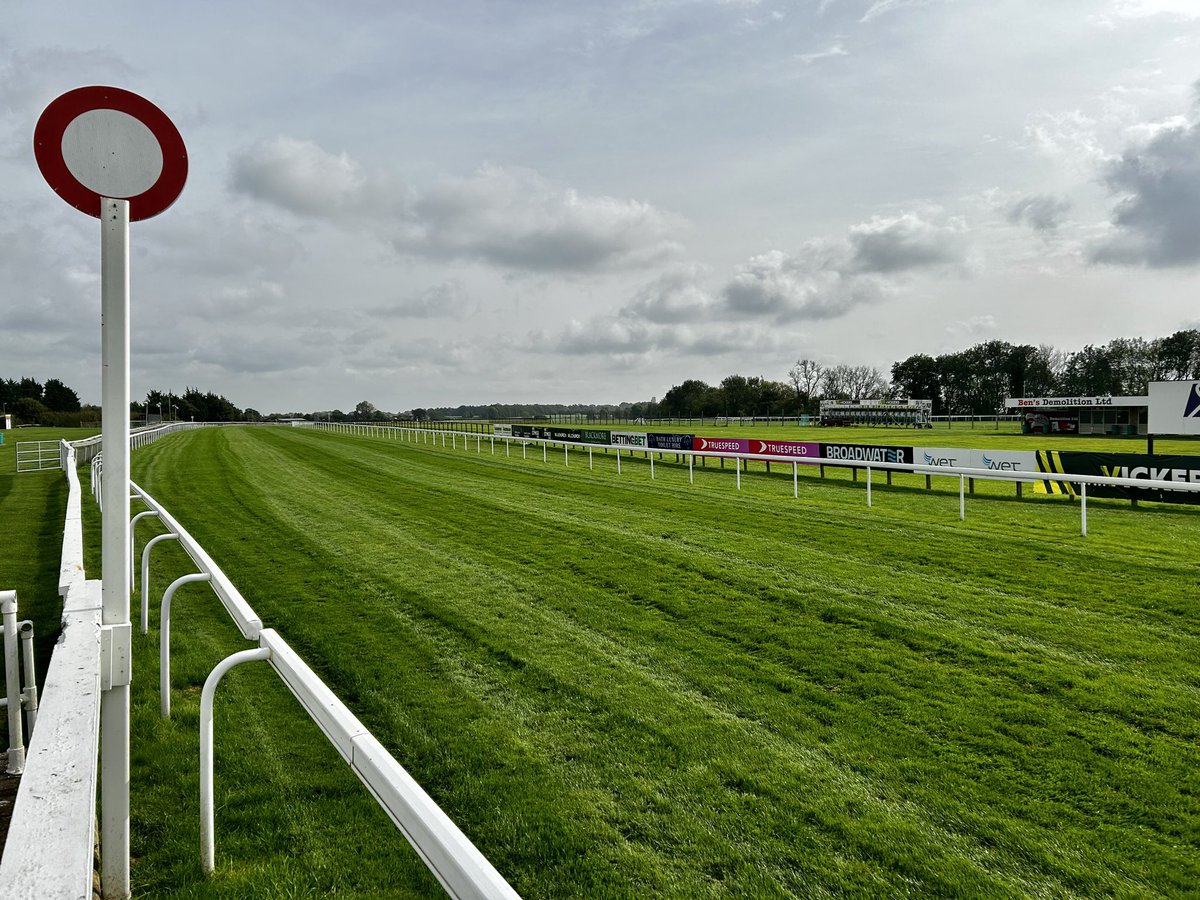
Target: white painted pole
{"x":164,"y":639}
{"x":1083,"y":508}
{"x":618,"y":460}
{"x":737,"y":465}
{"x":543,"y":451}
{"x":145,"y":609}
{"x":651,"y":466}
{"x":795,"y":481}
{"x":691,"y":477}
{"x":208,"y":850}
{"x":114,"y":698}
{"x":589,"y":458}
{"x":524,"y":449}
{"x":962,"y":498}
{"x":566,"y":459}
{"x":12,"y":683}
{"x":868,"y":486}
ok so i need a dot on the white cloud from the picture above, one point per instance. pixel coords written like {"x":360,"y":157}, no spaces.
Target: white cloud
{"x":515,"y":219}
{"x":831,"y":52}
{"x":299,"y":176}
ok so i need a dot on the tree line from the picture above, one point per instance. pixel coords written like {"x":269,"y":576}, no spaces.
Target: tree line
{"x":973,"y":381}
{"x":54,"y":404}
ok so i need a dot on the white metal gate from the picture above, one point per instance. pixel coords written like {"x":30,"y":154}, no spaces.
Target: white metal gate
{"x":38,"y":456}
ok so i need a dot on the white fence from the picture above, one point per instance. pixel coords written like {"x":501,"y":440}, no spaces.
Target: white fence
{"x":52,"y":835}
{"x":451,"y":440}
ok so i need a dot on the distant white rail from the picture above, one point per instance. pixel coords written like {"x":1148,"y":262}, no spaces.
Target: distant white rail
{"x":1019,"y":476}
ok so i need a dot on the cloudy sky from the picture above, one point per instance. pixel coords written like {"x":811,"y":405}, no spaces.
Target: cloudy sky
{"x":427,"y":203}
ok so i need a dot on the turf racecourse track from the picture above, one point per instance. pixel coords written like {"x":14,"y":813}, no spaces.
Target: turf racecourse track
{"x":620,"y":687}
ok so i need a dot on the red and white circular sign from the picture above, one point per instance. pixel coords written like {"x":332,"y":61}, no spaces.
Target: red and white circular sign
{"x":96,"y":142}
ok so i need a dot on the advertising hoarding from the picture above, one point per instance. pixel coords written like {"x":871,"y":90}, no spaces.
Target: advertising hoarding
{"x":721,"y":445}
{"x":1174,"y":407}
{"x":1181,"y":469}
{"x":866,"y":453}
{"x":595,"y":436}
{"x":805,"y":451}
{"x":669,"y":441}
{"x":627,"y":439}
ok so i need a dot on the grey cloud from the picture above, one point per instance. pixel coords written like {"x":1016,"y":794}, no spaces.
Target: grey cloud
{"x":446,"y":300}
{"x":902,"y":243}
{"x":1040,"y":212}
{"x":823,"y":279}
{"x":674,"y":297}
{"x":510,"y":218}
{"x":298,"y":176}
{"x":516,"y":219}
{"x":1157,"y":221}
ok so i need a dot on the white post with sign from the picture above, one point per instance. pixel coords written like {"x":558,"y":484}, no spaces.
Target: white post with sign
{"x":115,"y":556}
{"x":113,"y":155}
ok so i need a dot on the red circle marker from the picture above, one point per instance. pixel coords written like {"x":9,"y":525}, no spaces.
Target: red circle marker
{"x":48,"y":150}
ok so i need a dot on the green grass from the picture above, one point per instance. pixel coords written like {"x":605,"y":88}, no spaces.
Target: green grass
{"x":32,"y":506}
{"x":627,"y":688}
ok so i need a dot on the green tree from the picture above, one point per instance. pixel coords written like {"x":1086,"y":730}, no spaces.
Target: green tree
{"x":29,"y":410}
{"x":58,"y":397}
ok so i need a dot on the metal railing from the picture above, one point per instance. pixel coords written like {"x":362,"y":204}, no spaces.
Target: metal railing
{"x":461,"y":869}
{"x":962,"y":473}
{"x":50,"y":847}
{"x":18,"y":662}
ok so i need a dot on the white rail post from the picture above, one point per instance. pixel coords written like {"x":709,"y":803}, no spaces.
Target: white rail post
{"x":651,"y":466}
{"x":795,"y":480}
{"x":589,"y":458}
{"x":12,"y":683}
{"x":737,"y":465}
{"x":31,"y":691}
{"x":145,"y":608}
{"x":164,"y":639}
{"x":115,"y":674}
{"x":1083,"y":508}
{"x":566,"y":458}
{"x":207,"y":825}
{"x":962,"y":498}
{"x":524,"y":449}
{"x":618,"y":460}
{"x":543,"y":451}
{"x":132,"y":538}
{"x":868,"y":487}
{"x":691,"y":477}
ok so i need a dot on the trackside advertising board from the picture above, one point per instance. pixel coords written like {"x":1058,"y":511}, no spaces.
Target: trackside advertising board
{"x":1181,"y":469}
{"x":1174,"y":407}
{"x":502,"y":430}
{"x":628,"y":439}
{"x":959,"y":457}
{"x":669,"y":441}
{"x":866,"y":453}
{"x":804,"y":451}
{"x":720,"y":445}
